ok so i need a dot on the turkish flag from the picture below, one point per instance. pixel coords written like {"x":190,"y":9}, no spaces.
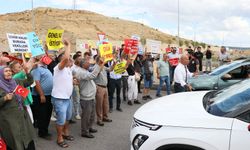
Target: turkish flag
{"x":2,"y":144}
{"x":22,"y":91}
{"x":45,"y":59}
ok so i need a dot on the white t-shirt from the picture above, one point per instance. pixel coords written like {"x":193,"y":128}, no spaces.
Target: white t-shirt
{"x":62,"y":83}
{"x":171,"y":55}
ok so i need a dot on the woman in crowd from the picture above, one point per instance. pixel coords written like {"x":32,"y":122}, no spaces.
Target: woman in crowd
{"x":15,"y":124}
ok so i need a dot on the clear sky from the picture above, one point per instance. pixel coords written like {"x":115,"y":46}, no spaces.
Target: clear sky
{"x":218,"y":22}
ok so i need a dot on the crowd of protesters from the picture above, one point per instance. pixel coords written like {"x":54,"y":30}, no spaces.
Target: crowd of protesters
{"x":82,"y":87}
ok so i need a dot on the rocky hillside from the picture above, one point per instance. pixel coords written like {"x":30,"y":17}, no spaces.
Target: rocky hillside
{"x":78,"y":24}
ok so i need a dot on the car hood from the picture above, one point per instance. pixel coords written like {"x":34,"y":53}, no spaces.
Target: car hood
{"x":183,"y":110}
{"x":203,"y":81}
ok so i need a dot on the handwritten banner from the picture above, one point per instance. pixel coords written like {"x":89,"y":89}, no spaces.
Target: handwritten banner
{"x":35,"y":44}
{"x":18,"y":43}
{"x":54,"y":39}
{"x":106,"y":51}
{"x":120,"y":68}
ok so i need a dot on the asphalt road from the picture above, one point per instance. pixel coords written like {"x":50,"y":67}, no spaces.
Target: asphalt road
{"x":112,"y":136}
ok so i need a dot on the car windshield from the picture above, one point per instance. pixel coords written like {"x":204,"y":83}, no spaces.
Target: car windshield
{"x":223,"y":68}
{"x":230,"y":99}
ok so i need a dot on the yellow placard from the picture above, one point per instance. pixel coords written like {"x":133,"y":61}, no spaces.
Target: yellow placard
{"x":106,"y":51}
{"x":91,"y":43}
{"x":120,"y":68}
{"x":54,"y":39}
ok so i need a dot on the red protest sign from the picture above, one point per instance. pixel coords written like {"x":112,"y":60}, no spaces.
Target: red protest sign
{"x":45,"y":59}
{"x":131,"y":46}
{"x":174,"y":61}
{"x":168,"y":50}
{"x":21,"y":91}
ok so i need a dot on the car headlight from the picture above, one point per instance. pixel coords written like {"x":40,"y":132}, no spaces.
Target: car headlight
{"x":138,"y":141}
{"x":150,"y":126}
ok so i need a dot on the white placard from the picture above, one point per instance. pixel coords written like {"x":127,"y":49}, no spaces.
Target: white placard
{"x":153,"y":46}
{"x":18,"y":43}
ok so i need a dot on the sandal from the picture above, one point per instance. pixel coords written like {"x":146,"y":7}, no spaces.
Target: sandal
{"x":68,"y":137}
{"x":62,"y":144}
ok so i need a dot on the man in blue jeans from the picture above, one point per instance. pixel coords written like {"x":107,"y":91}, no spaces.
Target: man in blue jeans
{"x":163,"y":75}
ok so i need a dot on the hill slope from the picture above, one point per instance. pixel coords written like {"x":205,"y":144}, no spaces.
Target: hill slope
{"x":78,"y":24}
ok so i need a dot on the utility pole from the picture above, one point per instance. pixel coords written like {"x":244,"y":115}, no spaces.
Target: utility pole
{"x":74,"y":4}
{"x":33,"y":17}
{"x":178,"y":39}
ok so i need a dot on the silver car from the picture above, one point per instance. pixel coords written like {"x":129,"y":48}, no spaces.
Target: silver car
{"x":222,"y":76}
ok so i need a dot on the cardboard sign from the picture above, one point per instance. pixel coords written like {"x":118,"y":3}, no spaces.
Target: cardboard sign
{"x":120,"y":68}
{"x":106,"y":51}
{"x":131,"y":46}
{"x":54,"y":39}
{"x":18,"y":43}
{"x":153,"y":46}
{"x":35,"y":45}
{"x":174,"y":61}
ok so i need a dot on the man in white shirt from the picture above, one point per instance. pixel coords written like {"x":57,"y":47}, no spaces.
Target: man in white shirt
{"x":224,"y":57}
{"x":181,"y":75}
{"x":61,"y":94}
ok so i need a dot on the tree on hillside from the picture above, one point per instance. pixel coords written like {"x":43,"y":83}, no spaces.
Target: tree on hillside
{"x":143,"y":41}
{"x":181,"y":43}
{"x":169,"y":41}
{"x":186,"y":43}
{"x":203,"y":45}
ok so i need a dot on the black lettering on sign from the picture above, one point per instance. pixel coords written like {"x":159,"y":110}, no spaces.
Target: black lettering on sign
{"x":52,"y":35}
{"x":54,"y":43}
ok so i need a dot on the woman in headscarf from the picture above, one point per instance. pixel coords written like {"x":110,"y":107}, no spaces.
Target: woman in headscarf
{"x":15,"y":124}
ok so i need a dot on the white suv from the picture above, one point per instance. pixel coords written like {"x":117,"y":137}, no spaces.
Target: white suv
{"x":215,"y":120}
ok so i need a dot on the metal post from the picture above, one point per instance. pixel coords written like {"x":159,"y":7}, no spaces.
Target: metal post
{"x":74,"y":4}
{"x":33,"y":17}
{"x":178,"y":42}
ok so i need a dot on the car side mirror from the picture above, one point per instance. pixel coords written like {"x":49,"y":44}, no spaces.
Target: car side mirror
{"x":226,"y":77}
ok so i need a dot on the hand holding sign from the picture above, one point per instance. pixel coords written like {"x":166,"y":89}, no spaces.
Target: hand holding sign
{"x":66,"y":42}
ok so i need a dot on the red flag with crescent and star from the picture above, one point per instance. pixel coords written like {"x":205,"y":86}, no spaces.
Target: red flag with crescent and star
{"x":45,"y":59}
{"x":21,"y":91}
